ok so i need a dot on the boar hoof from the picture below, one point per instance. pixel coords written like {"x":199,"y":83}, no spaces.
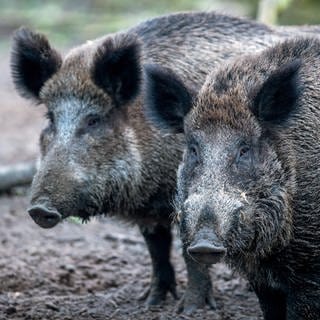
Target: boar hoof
{"x":156,"y":294}
{"x":193,"y":301}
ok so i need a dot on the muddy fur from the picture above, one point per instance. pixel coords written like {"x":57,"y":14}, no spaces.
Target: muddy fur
{"x":98,"y":153}
{"x":250,"y":180}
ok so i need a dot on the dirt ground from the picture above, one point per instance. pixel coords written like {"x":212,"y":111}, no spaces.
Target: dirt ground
{"x":92,"y":271}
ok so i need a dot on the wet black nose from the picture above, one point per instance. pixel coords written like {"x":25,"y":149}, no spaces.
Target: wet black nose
{"x":44,"y":217}
{"x":204,"y":251}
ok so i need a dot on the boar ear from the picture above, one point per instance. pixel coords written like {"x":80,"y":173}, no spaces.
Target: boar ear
{"x":33,"y":62}
{"x":278,"y":95}
{"x":167,"y":100}
{"x":116,"y":68}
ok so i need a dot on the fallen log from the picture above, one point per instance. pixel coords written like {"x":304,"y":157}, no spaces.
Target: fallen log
{"x":16,"y":175}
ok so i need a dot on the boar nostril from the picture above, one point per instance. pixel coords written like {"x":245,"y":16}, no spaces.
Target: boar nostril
{"x":44,"y":217}
{"x":206,"y":252}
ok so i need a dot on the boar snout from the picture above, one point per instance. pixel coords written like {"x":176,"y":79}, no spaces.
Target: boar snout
{"x":44,"y":216}
{"x":207,"y":251}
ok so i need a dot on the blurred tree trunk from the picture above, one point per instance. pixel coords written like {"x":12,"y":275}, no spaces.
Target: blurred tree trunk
{"x":16,"y":175}
{"x":269,"y":10}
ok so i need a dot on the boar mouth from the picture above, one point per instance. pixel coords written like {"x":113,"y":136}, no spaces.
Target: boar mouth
{"x":50,"y":218}
{"x":206,"y":252}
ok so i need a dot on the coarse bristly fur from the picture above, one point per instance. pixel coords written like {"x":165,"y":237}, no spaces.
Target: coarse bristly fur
{"x":99,"y":154}
{"x":250,"y":179}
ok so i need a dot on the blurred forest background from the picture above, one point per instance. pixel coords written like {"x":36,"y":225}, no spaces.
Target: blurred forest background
{"x":68,"y":22}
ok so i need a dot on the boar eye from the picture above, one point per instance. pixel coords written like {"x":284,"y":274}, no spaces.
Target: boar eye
{"x":193,"y":152}
{"x":93,"y":121}
{"x":243,"y":151}
{"x":244,"y":154}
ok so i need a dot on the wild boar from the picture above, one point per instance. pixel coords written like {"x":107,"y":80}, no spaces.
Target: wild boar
{"x":249,"y":183}
{"x":98,"y":153}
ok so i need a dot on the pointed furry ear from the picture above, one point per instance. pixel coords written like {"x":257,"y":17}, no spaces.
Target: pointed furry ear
{"x":33,"y":62}
{"x":278,"y":95}
{"x":116,"y":68}
{"x":167,"y":99}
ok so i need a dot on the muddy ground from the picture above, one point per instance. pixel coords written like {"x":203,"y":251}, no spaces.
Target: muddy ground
{"x":92,"y":271}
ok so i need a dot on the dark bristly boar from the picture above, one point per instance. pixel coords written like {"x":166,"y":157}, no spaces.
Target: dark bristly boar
{"x":98,"y":153}
{"x":249,"y":184}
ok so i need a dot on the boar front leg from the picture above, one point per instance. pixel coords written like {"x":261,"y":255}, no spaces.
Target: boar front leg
{"x":158,"y":240}
{"x":272,"y":302}
{"x":199,"y":290}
